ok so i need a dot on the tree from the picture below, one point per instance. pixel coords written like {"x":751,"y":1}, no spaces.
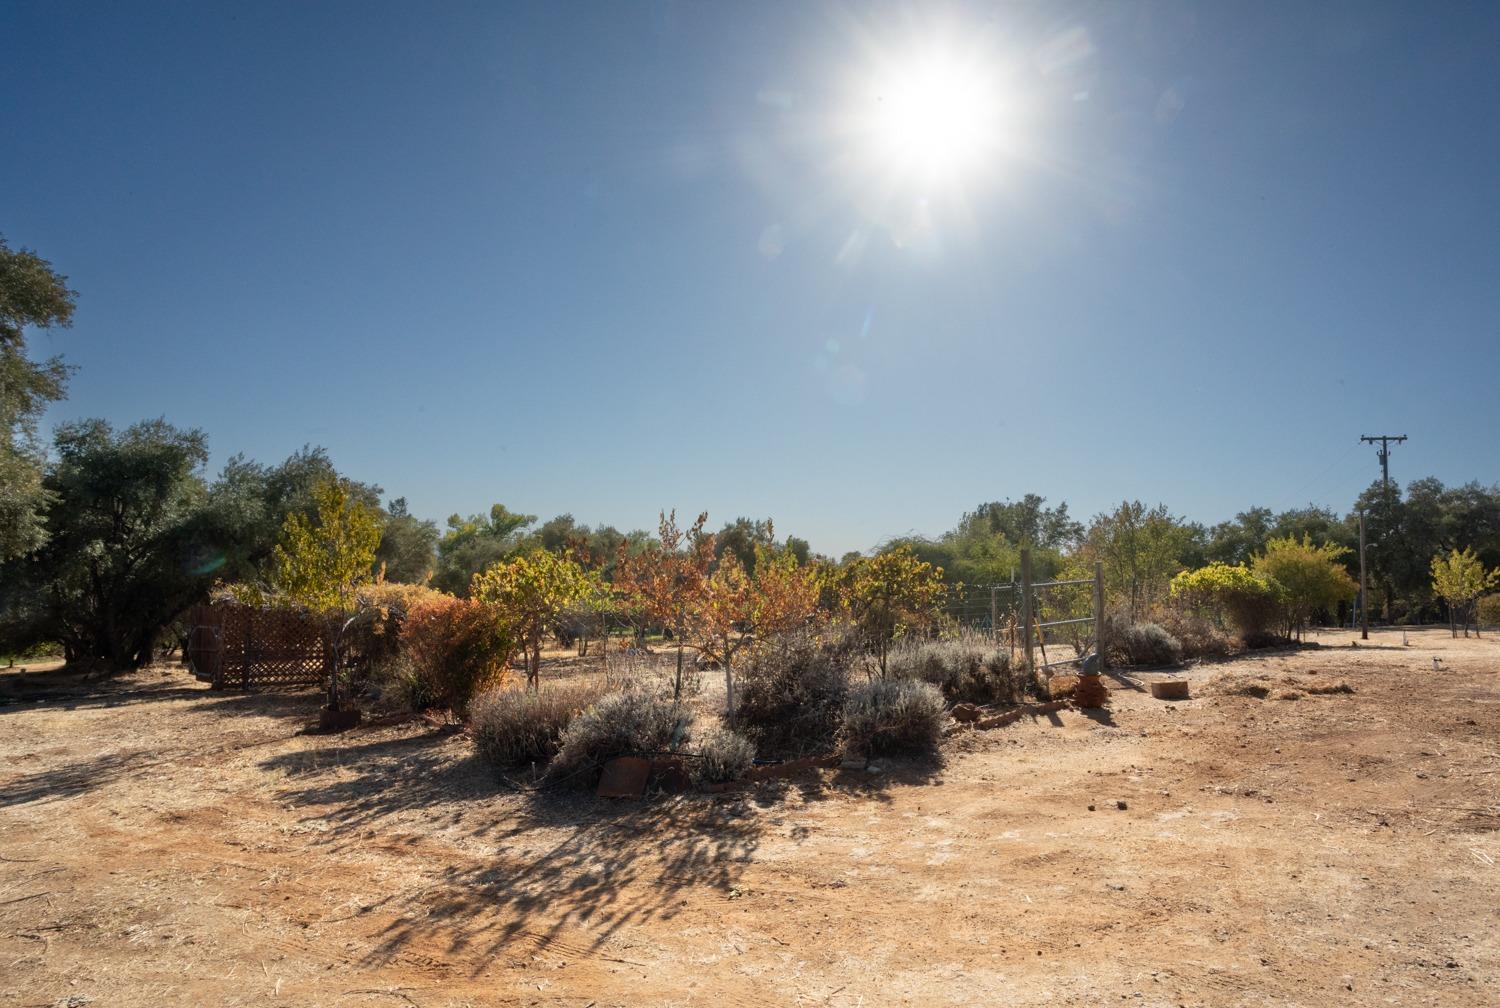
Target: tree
{"x":1141,"y":549}
{"x":1307,"y":579}
{"x":134,"y":539}
{"x":320,"y":562}
{"x":475,"y":544}
{"x":1459,"y":578}
{"x":666,"y":582}
{"x":530,"y":595}
{"x":408,"y":545}
{"x":31,"y":294}
{"x":890,"y":594}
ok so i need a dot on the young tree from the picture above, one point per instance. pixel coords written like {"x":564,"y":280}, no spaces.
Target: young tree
{"x":530,"y":596}
{"x":31,"y":294}
{"x":667,"y":581}
{"x":890,"y":594}
{"x":1141,"y":550}
{"x":321,"y":562}
{"x":1459,"y":578}
{"x":1306,"y":578}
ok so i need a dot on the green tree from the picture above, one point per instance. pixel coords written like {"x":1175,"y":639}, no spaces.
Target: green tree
{"x":31,"y":294}
{"x":531,"y":595}
{"x":1307,"y":578}
{"x":134,"y":539}
{"x":1459,"y":578}
{"x":408,"y":545}
{"x":476,"y":543}
{"x":1142,"y":549}
{"x":321,"y":562}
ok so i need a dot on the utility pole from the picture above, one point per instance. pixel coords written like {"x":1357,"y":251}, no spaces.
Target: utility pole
{"x":1364,"y":605}
{"x":1385,"y":441}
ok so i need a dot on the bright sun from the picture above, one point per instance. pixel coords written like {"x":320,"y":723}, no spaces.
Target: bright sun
{"x":934,"y":119}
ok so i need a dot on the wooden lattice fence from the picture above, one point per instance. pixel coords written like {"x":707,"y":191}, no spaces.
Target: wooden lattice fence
{"x":242,"y":647}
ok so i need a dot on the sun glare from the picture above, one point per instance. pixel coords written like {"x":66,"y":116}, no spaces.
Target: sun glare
{"x":936,"y":119}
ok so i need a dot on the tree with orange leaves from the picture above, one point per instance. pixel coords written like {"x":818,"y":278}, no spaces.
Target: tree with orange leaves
{"x":668,"y":581}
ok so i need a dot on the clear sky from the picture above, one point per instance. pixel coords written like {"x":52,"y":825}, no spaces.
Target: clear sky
{"x":854,"y":267}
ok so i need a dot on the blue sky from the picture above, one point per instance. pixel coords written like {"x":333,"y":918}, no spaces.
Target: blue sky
{"x":608,"y":258}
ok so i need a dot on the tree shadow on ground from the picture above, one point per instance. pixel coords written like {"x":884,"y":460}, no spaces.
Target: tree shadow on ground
{"x":73,"y":779}
{"x":548,"y":868}
{"x":62,"y":689}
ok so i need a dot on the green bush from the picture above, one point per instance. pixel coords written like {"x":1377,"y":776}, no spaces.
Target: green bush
{"x":1249,"y":602}
{"x":893,"y":716}
{"x":513,"y":727}
{"x":632,"y":722}
{"x":791,"y":690}
{"x":968,"y":668}
{"x":1489,"y":610}
{"x":723,"y":756}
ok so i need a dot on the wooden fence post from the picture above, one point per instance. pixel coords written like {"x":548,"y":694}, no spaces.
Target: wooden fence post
{"x":1099,"y":614}
{"x":1026,"y":628}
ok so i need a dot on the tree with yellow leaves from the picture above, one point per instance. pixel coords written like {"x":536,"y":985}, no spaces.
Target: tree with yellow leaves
{"x":1459,"y":578}
{"x":530,"y":595}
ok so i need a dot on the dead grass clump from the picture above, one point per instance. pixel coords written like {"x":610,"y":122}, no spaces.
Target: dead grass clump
{"x":792,"y":691}
{"x":1198,"y":637}
{"x":723,"y":756}
{"x":1238,"y":684}
{"x":1290,"y":694}
{"x":1325,"y":688}
{"x":513,"y":727}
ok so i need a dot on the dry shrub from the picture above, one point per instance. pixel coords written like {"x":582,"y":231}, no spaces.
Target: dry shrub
{"x":1198,"y":636}
{"x":1140,"y":643}
{"x":632,"y":722}
{"x":723,"y":756}
{"x":893,"y":716}
{"x":1238,"y":684}
{"x":373,"y":638}
{"x":513,"y":727}
{"x":1324,"y":688}
{"x":791,"y":691}
{"x":968,"y":668}
{"x":454,"y":647}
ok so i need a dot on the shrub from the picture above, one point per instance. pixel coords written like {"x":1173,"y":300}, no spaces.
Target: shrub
{"x":455,"y":646}
{"x":1198,"y":636}
{"x":893,"y":716}
{"x":1141,"y":644}
{"x":512,"y":727}
{"x":633,"y":722}
{"x":1489,"y":610}
{"x":792,"y":690}
{"x":724,"y":756}
{"x":967,"y":668}
{"x":1248,"y":601}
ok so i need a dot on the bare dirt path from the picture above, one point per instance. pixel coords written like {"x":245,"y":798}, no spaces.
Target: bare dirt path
{"x":164,"y":845}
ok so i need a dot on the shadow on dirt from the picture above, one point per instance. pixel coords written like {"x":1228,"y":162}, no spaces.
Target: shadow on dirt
{"x":65,"y":690}
{"x":553,"y":869}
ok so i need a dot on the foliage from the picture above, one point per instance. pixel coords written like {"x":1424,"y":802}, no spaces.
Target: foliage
{"x":531,"y":595}
{"x":408,"y":545}
{"x":475,"y":544}
{"x":890,"y":594}
{"x":892,"y":716}
{"x":512,"y":727}
{"x":632,"y":722}
{"x":1233,"y":593}
{"x":455,"y":647}
{"x":666,"y":583}
{"x":1307,"y":579}
{"x":793,"y":687}
{"x":968,"y":667}
{"x":1198,"y":636}
{"x":1141,"y":549}
{"x":724,"y":756}
{"x":1145,"y":644}
{"x":1488,"y":611}
{"x":1459,"y":578}
{"x":134,"y":539}
{"x":31,"y":294}
{"x":321,"y":562}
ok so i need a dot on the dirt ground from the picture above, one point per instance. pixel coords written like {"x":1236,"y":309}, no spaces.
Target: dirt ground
{"x":161,"y":844}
